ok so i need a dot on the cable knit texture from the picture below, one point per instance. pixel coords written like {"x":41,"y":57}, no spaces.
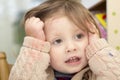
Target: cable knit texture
{"x":104,"y":61}
{"x":28,"y":65}
{"x":33,"y":61}
{"x":37,"y":45}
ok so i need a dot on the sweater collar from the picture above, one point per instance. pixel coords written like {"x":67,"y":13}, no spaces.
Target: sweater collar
{"x":77,"y":76}
{"x":62,"y":76}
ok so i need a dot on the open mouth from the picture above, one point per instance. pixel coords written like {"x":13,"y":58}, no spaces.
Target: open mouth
{"x":73,"y":59}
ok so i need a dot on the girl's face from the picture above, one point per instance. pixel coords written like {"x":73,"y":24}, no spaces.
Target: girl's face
{"x":68,"y":44}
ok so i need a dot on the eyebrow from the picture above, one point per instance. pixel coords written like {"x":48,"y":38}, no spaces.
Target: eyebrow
{"x":51,"y":36}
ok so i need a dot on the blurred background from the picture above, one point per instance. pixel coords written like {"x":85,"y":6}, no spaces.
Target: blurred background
{"x":11,"y":29}
{"x":106,"y":13}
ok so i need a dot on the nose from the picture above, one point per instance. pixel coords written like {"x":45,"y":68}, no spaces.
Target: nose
{"x":71,"y":48}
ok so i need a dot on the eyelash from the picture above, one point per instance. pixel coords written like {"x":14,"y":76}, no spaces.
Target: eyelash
{"x":57,"y":41}
{"x":79,"y":36}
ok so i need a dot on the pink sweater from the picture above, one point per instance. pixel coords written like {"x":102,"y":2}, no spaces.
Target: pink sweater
{"x":33,"y":61}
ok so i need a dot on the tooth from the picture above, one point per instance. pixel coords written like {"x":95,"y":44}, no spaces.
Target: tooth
{"x":71,"y":58}
{"x":74,"y":57}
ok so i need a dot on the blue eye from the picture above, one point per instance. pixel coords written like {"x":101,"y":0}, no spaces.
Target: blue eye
{"x":79,"y":36}
{"x":57,"y":41}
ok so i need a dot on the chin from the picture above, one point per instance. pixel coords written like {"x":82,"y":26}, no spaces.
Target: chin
{"x":71,"y":71}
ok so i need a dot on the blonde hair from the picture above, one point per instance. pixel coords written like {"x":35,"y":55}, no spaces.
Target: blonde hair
{"x":73,"y":9}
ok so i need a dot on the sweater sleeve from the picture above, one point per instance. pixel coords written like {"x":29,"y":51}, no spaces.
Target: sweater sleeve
{"x":104,"y":61}
{"x":32,"y":61}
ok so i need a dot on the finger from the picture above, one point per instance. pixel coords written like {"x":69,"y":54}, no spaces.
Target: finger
{"x":27,"y":21}
{"x":41,"y":35}
{"x":32,"y":19}
{"x":37,"y":19}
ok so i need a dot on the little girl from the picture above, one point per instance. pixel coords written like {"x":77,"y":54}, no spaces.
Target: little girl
{"x":63,"y":43}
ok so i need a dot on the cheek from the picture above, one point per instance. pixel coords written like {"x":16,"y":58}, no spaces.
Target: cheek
{"x":84,"y":51}
{"x":54,"y":53}
{"x":84,"y":44}
{"x":82,"y":47}
{"x":55,"y":59}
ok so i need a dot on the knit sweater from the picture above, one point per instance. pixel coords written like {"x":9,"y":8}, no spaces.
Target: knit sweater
{"x":33,"y":62}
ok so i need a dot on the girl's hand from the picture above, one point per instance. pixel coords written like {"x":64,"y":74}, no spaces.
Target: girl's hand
{"x":92,"y":38}
{"x":34,"y":28}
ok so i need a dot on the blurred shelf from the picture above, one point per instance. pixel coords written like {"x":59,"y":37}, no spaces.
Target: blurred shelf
{"x":100,"y":6}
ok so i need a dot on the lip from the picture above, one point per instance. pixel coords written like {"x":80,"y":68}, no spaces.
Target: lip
{"x":74,"y":60}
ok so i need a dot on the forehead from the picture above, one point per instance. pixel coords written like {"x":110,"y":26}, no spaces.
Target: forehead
{"x":60,"y":25}
{"x":58,"y":22}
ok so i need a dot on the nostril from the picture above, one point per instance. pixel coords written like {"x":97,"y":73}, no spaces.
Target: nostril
{"x":74,"y":49}
{"x":68,"y":51}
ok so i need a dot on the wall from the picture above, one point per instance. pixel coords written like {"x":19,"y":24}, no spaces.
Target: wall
{"x":11,"y":11}
{"x":113,"y":14}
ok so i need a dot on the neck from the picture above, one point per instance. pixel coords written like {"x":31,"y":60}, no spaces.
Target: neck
{"x":63,"y":75}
